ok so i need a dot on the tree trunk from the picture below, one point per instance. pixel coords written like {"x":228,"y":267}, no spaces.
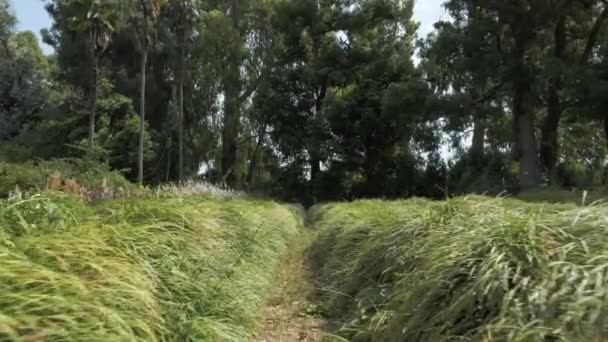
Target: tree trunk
{"x":315,"y":170}
{"x":232,"y":107}
{"x":526,"y":150}
{"x":254,"y":158}
{"x":180,"y":124}
{"x":142,"y":117}
{"x":549,"y":149}
{"x":479,"y":138}
{"x":169,"y":150}
{"x":606,"y":129}
{"x":231,"y":125}
{"x":94,"y":72}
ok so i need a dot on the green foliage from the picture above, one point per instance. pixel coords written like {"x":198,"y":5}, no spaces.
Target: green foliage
{"x":318,"y":100}
{"x":118,"y":132}
{"x":490,"y":173}
{"x":180,"y":269}
{"x":23,"y":92}
{"x":7,"y":22}
{"x":472,"y":268}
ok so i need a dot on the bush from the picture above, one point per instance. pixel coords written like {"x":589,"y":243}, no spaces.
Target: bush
{"x":33,"y":175}
{"x":474,"y":268}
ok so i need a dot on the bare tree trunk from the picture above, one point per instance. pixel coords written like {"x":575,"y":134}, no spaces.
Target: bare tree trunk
{"x":231,"y":126}
{"x":142,"y":117}
{"x":606,"y":129}
{"x":254,"y":157}
{"x":94,"y":73}
{"x":180,"y":133}
{"x":549,"y":149}
{"x":525,"y":141}
{"x":232,"y":107}
{"x":479,"y":138}
{"x":169,"y":148}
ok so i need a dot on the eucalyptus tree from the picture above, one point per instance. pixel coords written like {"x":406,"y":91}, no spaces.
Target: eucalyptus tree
{"x":185,"y":14}
{"x":144,"y":13}
{"x":230,"y":33}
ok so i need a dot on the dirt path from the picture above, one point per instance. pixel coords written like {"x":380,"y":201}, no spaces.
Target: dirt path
{"x":291,"y":314}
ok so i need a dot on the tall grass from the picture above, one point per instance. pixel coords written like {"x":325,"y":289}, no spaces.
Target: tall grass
{"x":467,"y":269}
{"x":170,"y":269}
{"x":32,"y":176}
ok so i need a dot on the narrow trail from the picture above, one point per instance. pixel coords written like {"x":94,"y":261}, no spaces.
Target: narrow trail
{"x":292,"y":314}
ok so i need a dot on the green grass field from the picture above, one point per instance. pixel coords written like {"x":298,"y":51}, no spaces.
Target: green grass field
{"x":172,"y":269}
{"x":467,"y":269}
{"x":174,"y":265}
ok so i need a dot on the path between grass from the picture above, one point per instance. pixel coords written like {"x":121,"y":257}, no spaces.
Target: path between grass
{"x":292,"y":312}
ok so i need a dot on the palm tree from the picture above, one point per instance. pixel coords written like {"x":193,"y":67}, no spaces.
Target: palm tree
{"x":97,"y":19}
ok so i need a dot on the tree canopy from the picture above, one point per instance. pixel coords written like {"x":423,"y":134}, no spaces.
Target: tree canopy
{"x":314,"y":100}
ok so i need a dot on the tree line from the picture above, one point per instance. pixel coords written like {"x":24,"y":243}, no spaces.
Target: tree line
{"x":315,"y":100}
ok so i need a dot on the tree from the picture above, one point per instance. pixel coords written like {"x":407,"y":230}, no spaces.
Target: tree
{"x":517,"y":46}
{"x":146,"y":10}
{"x":98,"y":19}
{"x":574,"y":38}
{"x":185,"y":14}
{"x":23,"y":78}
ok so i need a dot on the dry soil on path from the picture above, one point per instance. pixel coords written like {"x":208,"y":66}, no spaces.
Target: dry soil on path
{"x":291,"y":314}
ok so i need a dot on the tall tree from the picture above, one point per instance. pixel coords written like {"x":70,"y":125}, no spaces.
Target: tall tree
{"x":230,"y":36}
{"x":23,"y":78}
{"x":574,"y":38}
{"x":185,"y":13}
{"x":517,"y":47}
{"x":146,"y":10}
{"x":98,"y":20}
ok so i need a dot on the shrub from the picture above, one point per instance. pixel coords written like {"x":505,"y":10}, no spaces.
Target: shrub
{"x":33,"y":175}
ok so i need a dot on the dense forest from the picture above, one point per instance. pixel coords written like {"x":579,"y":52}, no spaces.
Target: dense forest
{"x":313,"y":100}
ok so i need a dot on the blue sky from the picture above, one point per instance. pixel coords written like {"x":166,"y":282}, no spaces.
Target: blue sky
{"x":33,"y":17}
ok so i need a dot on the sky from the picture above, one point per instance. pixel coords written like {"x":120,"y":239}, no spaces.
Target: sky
{"x":428,"y":12}
{"x":33,"y":17}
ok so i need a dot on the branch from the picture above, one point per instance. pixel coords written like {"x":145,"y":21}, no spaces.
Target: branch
{"x":490,"y":93}
{"x":251,"y":88}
